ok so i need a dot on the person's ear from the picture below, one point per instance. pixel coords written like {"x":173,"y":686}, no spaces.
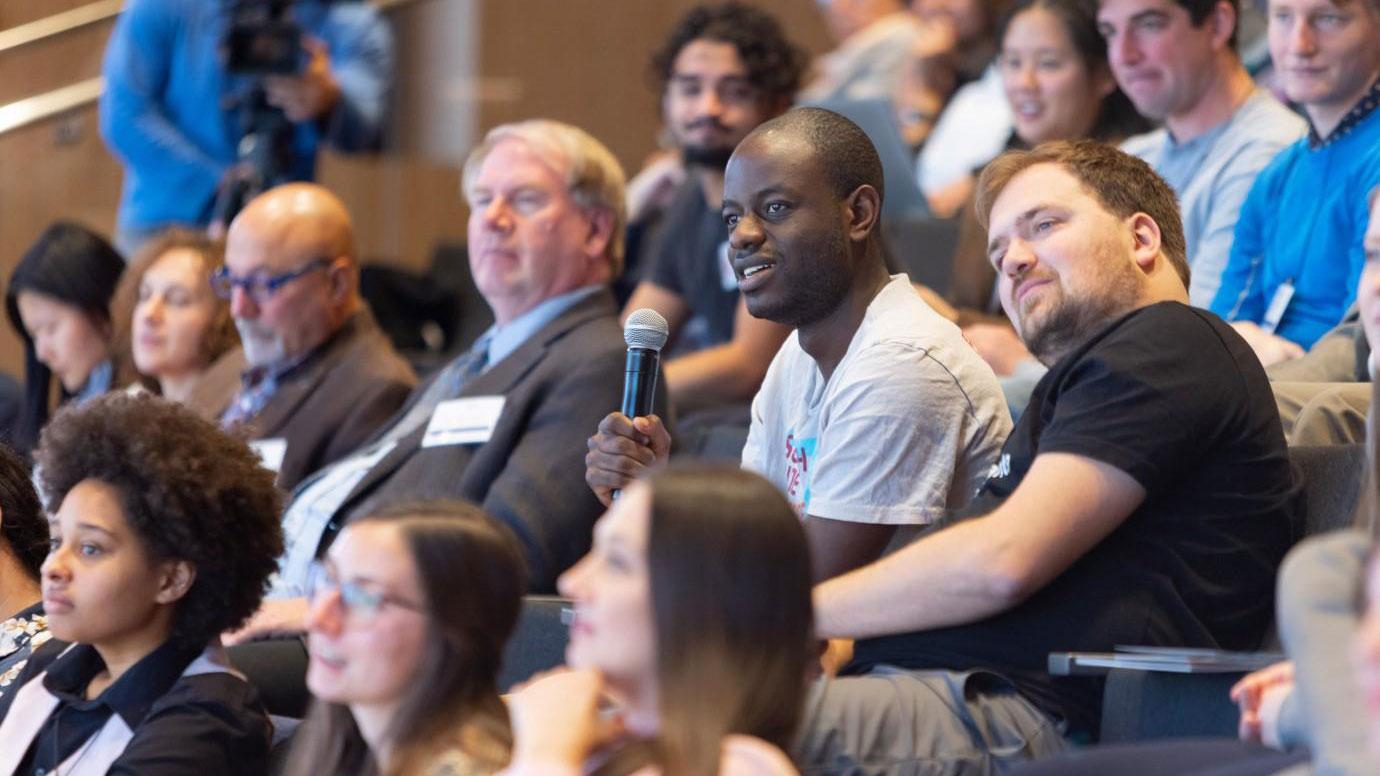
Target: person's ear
{"x":1103,"y":82}
{"x":343,"y":277}
{"x":864,"y":209}
{"x":599,"y":234}
{"x":1223,"y":20}
{"x":1145,"y":241}
{"x":177,"y":579}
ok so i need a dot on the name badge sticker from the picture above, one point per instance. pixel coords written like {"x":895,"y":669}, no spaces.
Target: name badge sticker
{"x":467,"y":421}
{"x":1275,"y":312}
{"x":270,"y":452}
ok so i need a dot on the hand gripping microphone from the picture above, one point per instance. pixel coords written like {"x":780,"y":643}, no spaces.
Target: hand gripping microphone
{"x":645,"y":331}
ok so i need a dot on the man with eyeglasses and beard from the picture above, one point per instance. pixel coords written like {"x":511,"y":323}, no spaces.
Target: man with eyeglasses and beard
{"x":316,"y":375}
{"x":723,"y":70}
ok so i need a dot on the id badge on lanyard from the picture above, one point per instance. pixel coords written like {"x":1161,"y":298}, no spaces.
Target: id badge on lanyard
{"x":1275,"y":312}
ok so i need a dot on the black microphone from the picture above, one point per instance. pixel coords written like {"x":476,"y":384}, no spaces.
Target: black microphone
{"x":645,"y":331}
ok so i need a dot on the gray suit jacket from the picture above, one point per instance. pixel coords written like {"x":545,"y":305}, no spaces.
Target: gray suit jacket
{"x":530,"y":474}
{"x":329,"y":404}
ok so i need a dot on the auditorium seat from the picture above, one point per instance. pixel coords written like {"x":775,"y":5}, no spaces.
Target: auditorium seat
{"x":539,"y":641}
{"x":1143,"y":705}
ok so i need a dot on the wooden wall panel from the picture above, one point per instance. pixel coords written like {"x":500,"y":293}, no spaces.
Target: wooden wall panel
{"x":52,"y":63}
{"x":583,"y":61}
{"x":51,"y":170}
{"x":16,"y":12}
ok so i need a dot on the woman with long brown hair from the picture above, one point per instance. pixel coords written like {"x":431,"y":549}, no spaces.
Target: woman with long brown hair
{"x":692,"y":623}
{"x":409,"y":614}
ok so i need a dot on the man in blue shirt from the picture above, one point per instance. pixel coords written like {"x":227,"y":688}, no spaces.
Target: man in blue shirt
{"x":1297,"y":253}
{"x":168,"y":110}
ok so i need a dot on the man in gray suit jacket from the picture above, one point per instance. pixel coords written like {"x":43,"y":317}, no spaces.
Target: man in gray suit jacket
{"x":316,"y":377}
{"x":503,"y":425}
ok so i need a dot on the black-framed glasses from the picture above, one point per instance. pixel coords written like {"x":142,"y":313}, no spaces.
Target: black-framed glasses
{"x":259,"y":285}
{"x":358,"y":601}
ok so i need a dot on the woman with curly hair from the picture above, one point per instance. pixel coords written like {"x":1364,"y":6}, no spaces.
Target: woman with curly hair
{"x":693,"y":626}
{"x":163,"y":532}
{"x":409,"y":614}
{"x":169,"y":326}
{"x":23,"y":545}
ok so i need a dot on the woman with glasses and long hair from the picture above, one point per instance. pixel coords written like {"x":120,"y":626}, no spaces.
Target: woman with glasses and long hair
{"x":409,"y":614}
{"x":162,"y":534}
{"x":692,"y":637}
{"x":169,"y":325}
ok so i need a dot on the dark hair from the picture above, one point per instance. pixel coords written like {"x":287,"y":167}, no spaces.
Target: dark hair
{"x":189,"y":492}
{"x":1121,"y":183}
{"x":1200,"y":10}
{"x":730,"y":591}
{"x":774,"y":64}
{"x":220,"y":338}
{"x":23,"y":527}
{"x":844,"y":150}
{"x":75,"y":266}
{"x":1117,"y":117}
{"x":473,"y":575}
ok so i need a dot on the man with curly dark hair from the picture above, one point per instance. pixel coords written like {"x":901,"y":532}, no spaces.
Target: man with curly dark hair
{"x":163,"y":533}
{"x":722,"y":71}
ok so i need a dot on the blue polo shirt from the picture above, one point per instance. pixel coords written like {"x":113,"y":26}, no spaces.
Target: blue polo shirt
{"x":1303,"y":224}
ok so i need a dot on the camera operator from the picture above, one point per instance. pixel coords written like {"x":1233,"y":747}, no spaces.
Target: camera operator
{"x":174,"y":108}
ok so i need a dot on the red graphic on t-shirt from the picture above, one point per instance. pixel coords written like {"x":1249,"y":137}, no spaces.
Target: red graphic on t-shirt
{"x":798,"y":464}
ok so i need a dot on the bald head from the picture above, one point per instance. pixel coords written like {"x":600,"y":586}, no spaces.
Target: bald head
{"x":291,"y":252}
{"x":843,"y":151}
{"x":299,"y":215}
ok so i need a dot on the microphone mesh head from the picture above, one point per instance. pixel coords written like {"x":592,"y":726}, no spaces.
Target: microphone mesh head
{"x":645,"y":328}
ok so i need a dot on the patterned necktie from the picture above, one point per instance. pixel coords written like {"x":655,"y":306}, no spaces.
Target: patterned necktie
{"x":447,"y":385}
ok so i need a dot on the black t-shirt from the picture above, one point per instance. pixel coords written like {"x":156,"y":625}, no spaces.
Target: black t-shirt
{"x":1175,"y":398}
{"x":687,"y":255}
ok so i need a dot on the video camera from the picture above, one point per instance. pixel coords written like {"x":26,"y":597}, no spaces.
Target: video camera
{"x":261,"y":39}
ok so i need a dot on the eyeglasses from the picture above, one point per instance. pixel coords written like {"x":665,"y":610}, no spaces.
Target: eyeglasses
{"x":259,"y":285}
{"x":358,"y":601}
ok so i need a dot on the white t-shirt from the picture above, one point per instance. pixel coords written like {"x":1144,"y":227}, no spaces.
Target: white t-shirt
{"x":904,"y":431}
{"x":971,"y":131}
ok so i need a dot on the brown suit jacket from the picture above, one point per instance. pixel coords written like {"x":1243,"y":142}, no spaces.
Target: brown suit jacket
{"x":326,"y":406}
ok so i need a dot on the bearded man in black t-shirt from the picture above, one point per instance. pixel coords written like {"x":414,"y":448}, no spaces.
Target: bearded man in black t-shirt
{"x":1145,"y":497}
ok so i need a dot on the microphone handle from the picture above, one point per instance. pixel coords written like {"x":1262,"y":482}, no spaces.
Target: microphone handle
{"x":639,"y":381}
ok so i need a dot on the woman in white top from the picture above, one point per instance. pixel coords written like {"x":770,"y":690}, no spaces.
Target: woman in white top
{"x":691,"y":640}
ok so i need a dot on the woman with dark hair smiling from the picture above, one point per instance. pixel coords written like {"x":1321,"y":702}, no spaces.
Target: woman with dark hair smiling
{"x":163,"y":534}
{"x":693,"y":619}
{"x":409,"y":614}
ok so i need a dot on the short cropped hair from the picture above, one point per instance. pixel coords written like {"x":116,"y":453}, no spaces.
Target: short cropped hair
{"x":774,"y":64}
{"x":23,"y":527}
{"x":594,"y":178}
{"x":1121,"y":183}
{"x":844,"y":151}
{"x":189,"y":493}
